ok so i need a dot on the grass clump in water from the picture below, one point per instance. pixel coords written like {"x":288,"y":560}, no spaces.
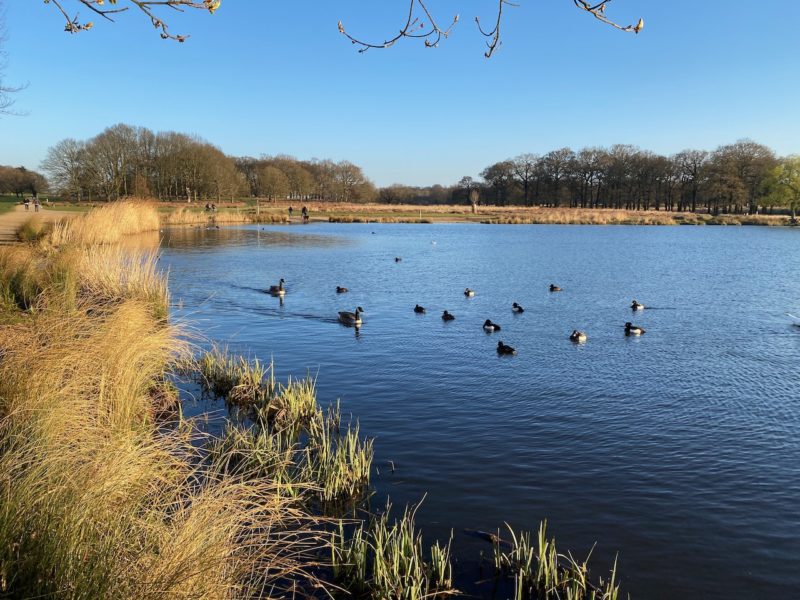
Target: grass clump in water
{"x":384,"y":560}
{"x":541,"y":573}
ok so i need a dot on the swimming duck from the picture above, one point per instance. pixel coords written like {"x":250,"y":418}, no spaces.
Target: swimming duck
{"x":419,"y":309}
{"x":517,"y":308}
{"x":446,"y":316}
{"x":631,"y":329}
{"x":554,"y":288}
{"x":469,"y":293}
{"x":505,"y":349}
{"x":578,"y":336}
{"x":397,"y":259}
{"x":490,"y":327}
{"x":636,"y":306}
{"x":351,"y":318}
{"x":341,"y":290}
{"x":278,"y":290}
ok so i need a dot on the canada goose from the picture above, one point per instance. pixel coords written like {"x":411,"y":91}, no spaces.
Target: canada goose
{"x":397,"y":259}
{"x":351,"y":318}
{"x":469,"y":293}
{"x":277,"y":290}
{"x":446,"y":316}
{"x":490,"y":327}
{"x":554,"y":288}
{"x":419,"y":309}
{"x":578,"y":336}
{"x":341,"y":290}
{"x":505,"y":349}
{"x":636,"y":306}
{"x":631,"y":329}
{"x":517,"y":308}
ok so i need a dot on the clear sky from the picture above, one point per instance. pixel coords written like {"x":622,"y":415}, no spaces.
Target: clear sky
{"x":267,"y":77}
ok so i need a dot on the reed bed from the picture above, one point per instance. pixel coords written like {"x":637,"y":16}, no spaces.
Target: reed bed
{"x":286,"y":435}
{"x":382,"y":560}
{"x":107,"y":224}
{"x":190,"y":216}
{"x":540,"y":572}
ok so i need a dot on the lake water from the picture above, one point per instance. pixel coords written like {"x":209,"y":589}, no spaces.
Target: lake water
{"x":680,"y":449}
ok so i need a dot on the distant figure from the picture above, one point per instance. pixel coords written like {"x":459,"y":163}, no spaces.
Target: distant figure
{"x":577,"y":336}
{"x":446,"y":316}
{"x":554,"y":288}
{"x":517,"y":308}
{"x":27,"y":203}
{"x":419,"y":309}
{"x":304,"y":211}
{"x":505,"y":349}
{"x":36,"y":205}
{"x":291,"y":210}
{"x":208,"y":207}
{"x":213,"y":208}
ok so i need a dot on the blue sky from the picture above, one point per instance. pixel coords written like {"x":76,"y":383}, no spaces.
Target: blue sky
{"x":265,"y":77}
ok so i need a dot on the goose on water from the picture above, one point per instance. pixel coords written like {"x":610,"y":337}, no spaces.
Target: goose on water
{"x":578,"y":336}
{"x":446,"y":316}
{"x":278,"y":290}
{"x":490,"y":327}
{"x":631,"y":329}
{"x":351,"y":318}
{"x":517,"y":308}
{"x":505,"y":349}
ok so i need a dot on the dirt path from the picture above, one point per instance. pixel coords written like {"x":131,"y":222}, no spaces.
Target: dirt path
{"x":12,"y":220}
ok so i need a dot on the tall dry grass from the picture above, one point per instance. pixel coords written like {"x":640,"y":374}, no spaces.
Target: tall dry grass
{"x":107,"y":224}
{"x":100,"y":497}
{"x":190,"y":216}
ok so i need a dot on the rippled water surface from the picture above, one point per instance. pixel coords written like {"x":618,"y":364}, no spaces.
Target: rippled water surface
{"x":679,"y":449}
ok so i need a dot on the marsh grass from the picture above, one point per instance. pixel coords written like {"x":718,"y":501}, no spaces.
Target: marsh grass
{"x":540,"y":572}
{"x":107,"y":224}
{"x":287,"y":435}
{"x":196,"y":216}
{"x":32,"y":230}
{"x":379,"y":559}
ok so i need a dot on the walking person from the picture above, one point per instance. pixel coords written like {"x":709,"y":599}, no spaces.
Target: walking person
{"x":291,"y":210}
{"x":305,"y":214}
{"x":36,"y":205}
{"x":27,"y":203}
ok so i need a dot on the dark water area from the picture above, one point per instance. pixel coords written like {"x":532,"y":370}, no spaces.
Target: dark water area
{"x":680,"y":450}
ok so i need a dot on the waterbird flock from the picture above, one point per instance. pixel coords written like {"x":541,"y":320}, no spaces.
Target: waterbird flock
{"x":579,"y":337}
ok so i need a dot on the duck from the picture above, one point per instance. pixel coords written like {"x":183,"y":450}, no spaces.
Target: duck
{"x":631,"y":329}
{"x":419,"y":309}
{"x":490,"y":327}
{"x":351,"y":318}
{"x":446,"y":316}
{"x":469,"y":293}
{"x":517,"y":308}
{"x":397,"y":259}
{"x":578,"y":336}
{"x":341,"y":290}
{"x":278,"y":290}
{"x":636,"y":306}
{"x":554,"y":288}
{"x":505,"y":349}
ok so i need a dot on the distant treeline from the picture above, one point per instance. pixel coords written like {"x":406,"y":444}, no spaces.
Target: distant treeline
{"x":134,"y":161}
{"x":743,"y":177}
{"x":735,"y":178}
{"x":19,"y":181}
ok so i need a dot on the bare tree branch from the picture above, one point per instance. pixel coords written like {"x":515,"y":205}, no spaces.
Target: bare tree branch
{"x":433,"y":34}
{"x":148,"y":7}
